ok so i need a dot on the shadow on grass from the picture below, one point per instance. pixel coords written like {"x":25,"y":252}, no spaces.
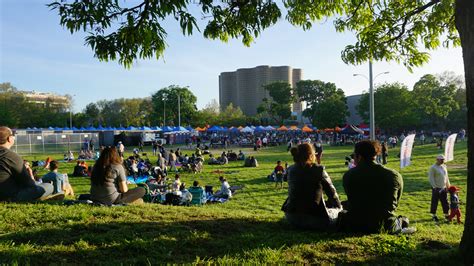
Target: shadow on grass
{"x":184,"y":242}
{"x":156,"y":242}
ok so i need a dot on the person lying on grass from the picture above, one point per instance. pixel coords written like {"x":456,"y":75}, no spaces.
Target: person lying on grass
{"x":109,"y":181}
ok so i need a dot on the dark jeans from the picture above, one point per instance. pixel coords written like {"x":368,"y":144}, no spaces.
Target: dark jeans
{"x":308,"y":222}
{"x":34,"y":193}
{"x":439,"y":194}
{"x":131,"y":195}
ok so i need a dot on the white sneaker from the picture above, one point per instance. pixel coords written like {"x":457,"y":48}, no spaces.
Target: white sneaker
{"x":408,"y":230}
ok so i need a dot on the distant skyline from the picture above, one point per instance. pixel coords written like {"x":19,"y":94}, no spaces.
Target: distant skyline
{"x":36,"y":53}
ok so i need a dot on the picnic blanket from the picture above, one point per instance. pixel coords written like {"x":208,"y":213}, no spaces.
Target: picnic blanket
{"x":137,"y":180}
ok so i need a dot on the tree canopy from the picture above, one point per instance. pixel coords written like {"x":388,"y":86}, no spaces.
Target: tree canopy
{"x":403,"y":31}
{"x":165,"y":105}
{"x":326,"y":104}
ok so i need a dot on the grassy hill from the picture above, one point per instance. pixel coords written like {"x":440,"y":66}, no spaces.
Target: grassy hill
{"x":248,"y":229}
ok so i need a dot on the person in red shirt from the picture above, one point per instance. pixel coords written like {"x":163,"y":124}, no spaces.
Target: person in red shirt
{"x":278,"y":172}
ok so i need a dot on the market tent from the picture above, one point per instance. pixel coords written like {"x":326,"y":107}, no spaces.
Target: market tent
{"x":294,"y":128}
{"x":167,"y":129}
{"x":351,"y":130}
{"x":214,"y":129}
{"x":156,"y":128}
{"x":260,"y":129}
{"x":234,"y":130}
{"x":282,"y":128}
{"x":307,"y":129}
{"x":240,"y":127}
{"x":180,"y":129}
{"x":269,"y":128}
{"x":247,"y":129}
{"x":338,"y":129}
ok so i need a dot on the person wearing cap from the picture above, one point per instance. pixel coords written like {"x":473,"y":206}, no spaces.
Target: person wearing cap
{"x":454,"y":204}
{"x":373,"y":194}
{"x":16,"y":183}
{"x":439,"y":181}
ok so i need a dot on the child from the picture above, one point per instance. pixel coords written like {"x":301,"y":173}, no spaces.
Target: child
{"x":454,"y":206}
{"x":279,"y":172}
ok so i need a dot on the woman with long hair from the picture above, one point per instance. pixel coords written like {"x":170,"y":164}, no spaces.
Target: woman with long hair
{"x":305,"y":206}
{"x":109,"y":181}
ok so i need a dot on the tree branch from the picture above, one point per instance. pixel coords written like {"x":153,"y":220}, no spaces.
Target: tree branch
{"x":409,"y":15}
{"x":125,"y":10}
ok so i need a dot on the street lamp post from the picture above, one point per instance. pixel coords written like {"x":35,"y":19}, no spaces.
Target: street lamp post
{"x":371,"y":98}
{"x":164,"y":109}
{"x":70,"y":112}
{"x":179,"y":111}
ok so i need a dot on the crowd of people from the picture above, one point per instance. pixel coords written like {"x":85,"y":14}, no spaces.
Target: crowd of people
{"x":373,"y":190}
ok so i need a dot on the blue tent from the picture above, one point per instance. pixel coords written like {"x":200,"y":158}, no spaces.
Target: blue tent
{"x":131,"y":128}
{"x":74,"y":128}
{"x":156,"y":129}
{"x":91,"y":128}
{"x":260,"y":129}
{"x":189,"y":128}
{"x":224,"y":129}
{"x":235,"y":130}
{"x":51,"y":128}
{"x":121,"y":128}
{"x":180,"y":129}
{"x":58,"y":129}
{"x":167,"y":129}
{"x":214,"y":129}
{"x":82,"y":128}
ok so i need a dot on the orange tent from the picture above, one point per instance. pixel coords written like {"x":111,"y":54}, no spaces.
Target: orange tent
{"x":294,"y":128}
{"x":240,"y":127}
{"x":338,"y":129}
{"x":200,"y":129}
{"x":282,"y":128}
{"x":306,"y":129}
{"x":329,"y":130}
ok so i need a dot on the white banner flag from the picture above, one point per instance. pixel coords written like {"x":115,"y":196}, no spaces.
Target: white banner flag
{"x":405,"y":150}
{"x":449,"y":148}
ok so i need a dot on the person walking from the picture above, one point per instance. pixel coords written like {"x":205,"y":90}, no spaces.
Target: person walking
{"x":439,"y":181}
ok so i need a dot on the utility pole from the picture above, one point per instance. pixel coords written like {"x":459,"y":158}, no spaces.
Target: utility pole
{"x":371,"y":103}
{"x":179,"y":111}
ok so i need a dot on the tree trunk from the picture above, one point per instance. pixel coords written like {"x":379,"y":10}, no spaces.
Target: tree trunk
{"x":465,"y":26}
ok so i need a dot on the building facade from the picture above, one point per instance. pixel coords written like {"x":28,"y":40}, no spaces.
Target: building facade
{"x":62,"y":102}
{"x":244,"y":87}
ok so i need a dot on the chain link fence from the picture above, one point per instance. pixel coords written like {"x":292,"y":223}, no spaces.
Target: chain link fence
{"x":31,"y":143}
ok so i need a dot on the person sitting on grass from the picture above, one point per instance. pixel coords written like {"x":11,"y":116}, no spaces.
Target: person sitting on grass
{"x":225,"y":191}
{"x":241,"y":156}
{"x":80,"y":169}
{"x":186,"y":196}
{"x":54,"y":177}
{"x":305,"y":206}
{"x":109,"y":181}
{"x":199,"y":196}
{"x":16,"y":183}
{"x":177,"y":183}
{"x":278,"y":174}
{"x":373,"y":194}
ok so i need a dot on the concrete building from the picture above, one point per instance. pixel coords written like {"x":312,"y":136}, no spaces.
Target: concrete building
{"x":244,"y":87}
{"x":352,"y":102}
{"x":45,"y":98}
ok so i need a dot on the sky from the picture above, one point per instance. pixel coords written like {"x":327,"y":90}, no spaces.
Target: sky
{"x":36,"y":53}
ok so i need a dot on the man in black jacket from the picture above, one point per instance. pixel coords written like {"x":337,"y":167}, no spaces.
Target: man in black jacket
{"x":16,"y":184}
{"x":373,"y":193}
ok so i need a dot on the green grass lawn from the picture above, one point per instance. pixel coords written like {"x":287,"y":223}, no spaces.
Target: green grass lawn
{"x":248,"y":229}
